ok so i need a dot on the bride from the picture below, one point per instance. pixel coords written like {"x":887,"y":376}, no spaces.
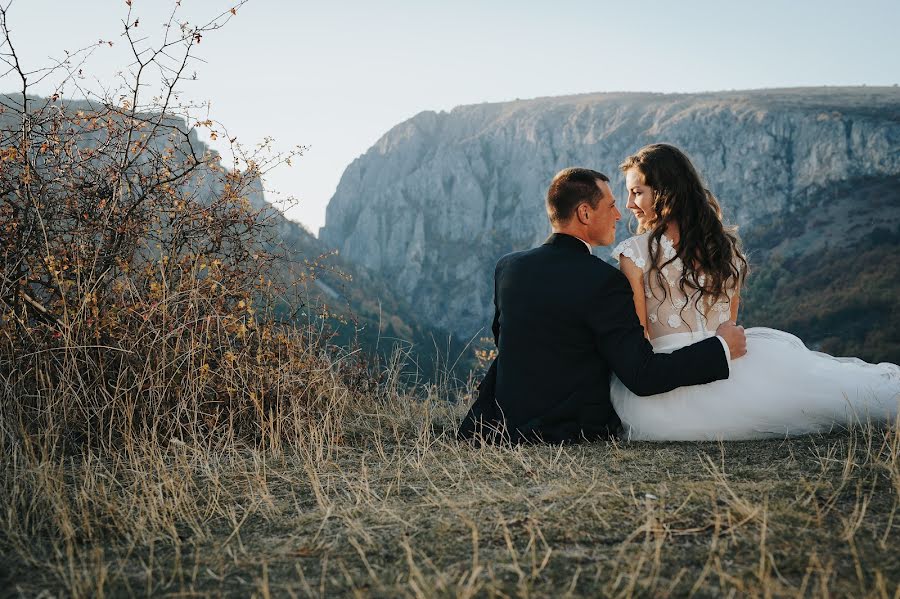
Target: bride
{"x":686,"y":271}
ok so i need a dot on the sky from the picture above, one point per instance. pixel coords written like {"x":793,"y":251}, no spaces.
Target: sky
{"x":334,"y":77}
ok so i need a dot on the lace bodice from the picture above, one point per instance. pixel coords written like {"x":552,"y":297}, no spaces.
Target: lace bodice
{"x":671,"y":311}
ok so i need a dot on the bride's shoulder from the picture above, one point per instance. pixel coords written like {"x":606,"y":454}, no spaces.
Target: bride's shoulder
{"x":634,"y":248}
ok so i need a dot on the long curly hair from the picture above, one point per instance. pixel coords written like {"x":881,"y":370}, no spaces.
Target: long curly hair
{"x":710,"y":252}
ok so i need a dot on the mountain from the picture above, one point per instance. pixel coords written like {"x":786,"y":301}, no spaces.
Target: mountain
{"x":812,"y":176}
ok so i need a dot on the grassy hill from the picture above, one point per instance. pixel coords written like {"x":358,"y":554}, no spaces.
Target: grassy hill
{"x":169,"y":441}
{"x":378,"y":500}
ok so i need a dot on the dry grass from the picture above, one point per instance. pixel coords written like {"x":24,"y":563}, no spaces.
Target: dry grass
{"x":378,"y":499}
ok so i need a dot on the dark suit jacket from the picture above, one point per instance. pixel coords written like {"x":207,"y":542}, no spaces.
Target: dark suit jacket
{"x":563,"y":321}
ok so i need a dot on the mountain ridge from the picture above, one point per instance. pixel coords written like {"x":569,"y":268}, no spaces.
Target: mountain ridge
{"x":441,"y":196}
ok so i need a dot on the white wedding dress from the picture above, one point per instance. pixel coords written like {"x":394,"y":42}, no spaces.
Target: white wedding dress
{"x":779,"y":388}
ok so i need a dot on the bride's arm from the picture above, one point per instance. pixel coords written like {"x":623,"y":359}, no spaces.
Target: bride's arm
{"x":735,"y":304}
{"x":636,"y":277}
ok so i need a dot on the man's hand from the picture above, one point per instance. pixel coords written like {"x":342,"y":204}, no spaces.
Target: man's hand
{"x":734,"y":337}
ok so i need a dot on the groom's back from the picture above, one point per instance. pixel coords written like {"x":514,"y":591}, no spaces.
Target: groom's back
{"x":551,"y":380}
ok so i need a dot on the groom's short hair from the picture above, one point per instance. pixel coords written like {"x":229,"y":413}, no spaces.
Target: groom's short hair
{"x":570,"y":187}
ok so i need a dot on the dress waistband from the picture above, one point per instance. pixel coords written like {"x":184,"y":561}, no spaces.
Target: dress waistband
{"x":669,"y":343}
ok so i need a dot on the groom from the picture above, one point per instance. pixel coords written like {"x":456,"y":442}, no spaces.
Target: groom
{"x":564,"y":320}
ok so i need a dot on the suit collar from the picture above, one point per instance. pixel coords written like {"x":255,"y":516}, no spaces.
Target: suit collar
{"x":562,"y":240}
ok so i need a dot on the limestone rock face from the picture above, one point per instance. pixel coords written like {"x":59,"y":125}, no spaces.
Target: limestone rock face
{"x":437,"y":200}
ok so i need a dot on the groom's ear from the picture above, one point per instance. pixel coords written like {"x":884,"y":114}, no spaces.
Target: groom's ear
{"x":583,"y":213}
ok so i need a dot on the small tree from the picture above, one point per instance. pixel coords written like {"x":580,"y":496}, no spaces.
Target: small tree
{"x":134,"y":265}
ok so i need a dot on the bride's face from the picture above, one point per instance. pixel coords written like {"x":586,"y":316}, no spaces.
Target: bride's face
{"x":640,"y":198}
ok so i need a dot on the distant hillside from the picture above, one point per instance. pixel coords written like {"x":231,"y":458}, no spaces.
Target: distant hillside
{"x":365,"y":311}
{"x":829,"y":274}
{"x":810,"y":175}
{"x":360,"y":308}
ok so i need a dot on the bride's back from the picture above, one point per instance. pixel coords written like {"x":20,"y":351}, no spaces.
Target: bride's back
{"x":669,"y":309}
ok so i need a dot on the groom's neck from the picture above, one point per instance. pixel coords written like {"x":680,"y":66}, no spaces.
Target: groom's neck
{"x":576,"y":234}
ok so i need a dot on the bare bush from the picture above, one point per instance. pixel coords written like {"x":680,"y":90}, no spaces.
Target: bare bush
{"x":137,"y":294}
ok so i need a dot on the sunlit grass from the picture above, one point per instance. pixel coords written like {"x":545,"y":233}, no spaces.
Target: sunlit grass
{"x":382,"y":501}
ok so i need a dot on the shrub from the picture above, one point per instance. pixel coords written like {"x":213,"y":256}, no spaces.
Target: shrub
{"x":137,"y":294}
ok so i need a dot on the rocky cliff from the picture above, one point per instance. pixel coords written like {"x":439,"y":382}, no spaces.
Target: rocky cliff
{"x":435,"y":202}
